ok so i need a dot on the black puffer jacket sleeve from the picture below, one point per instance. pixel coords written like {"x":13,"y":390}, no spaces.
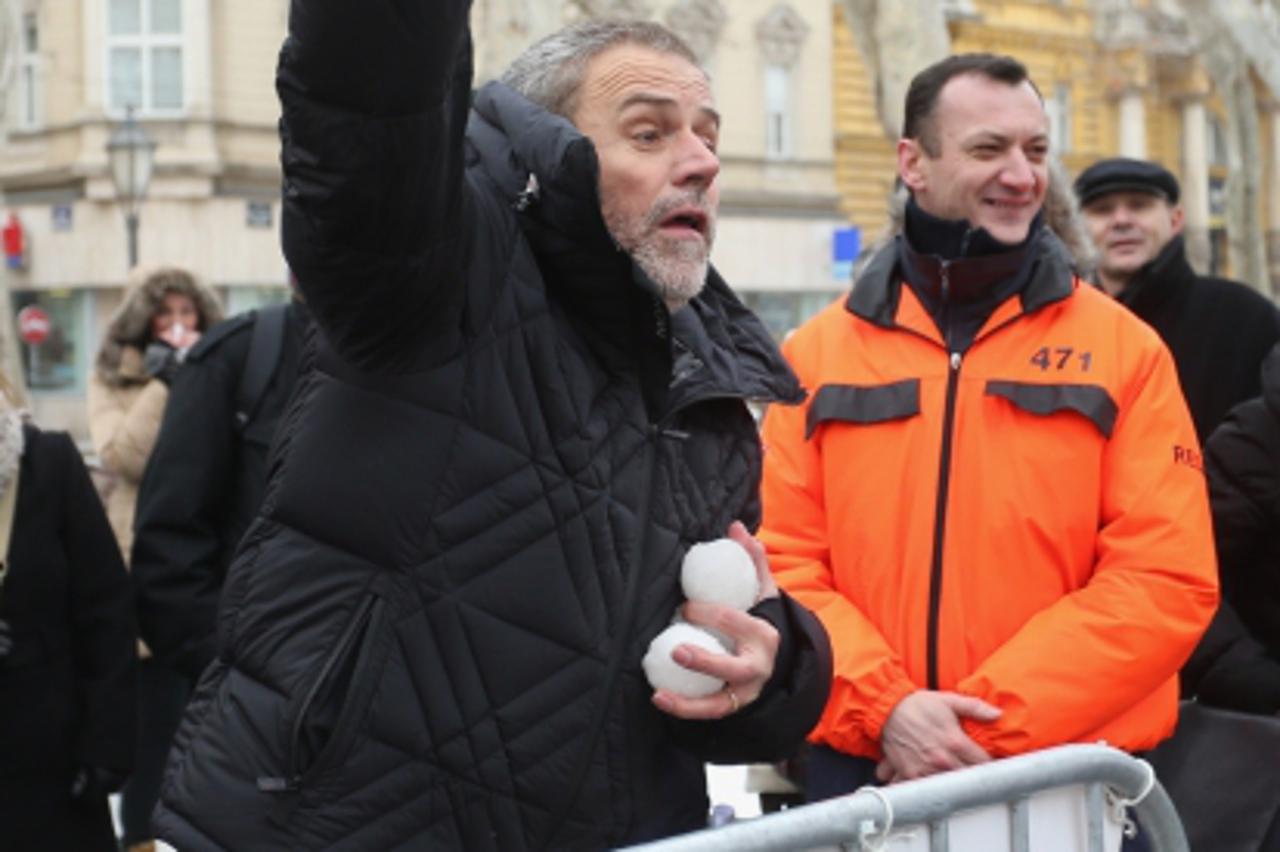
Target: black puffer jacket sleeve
{"x":375,"y":95}
{"x":774,"y":725}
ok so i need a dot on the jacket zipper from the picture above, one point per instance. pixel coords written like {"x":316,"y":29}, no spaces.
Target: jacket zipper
{"x":289,"y":782}
{"x":940,"y":516}
{"x":940,"y":509}
{"x":618,"y":651}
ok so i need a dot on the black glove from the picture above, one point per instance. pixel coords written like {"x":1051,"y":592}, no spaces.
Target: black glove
{"x":93,"y":782}
{"x":161,"y":361}
{"x":6,"y":639}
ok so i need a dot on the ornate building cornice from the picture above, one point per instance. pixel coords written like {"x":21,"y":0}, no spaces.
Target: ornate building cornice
{"x":781,"y":34}
{"x":700,"y":23}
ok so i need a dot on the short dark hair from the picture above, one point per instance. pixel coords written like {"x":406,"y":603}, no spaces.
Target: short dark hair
{"x":922,"y":94}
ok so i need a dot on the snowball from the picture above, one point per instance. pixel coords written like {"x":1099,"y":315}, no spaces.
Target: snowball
{"x":730,"y":644}
{"x":722,"y":572}
{"x":665,"y":673}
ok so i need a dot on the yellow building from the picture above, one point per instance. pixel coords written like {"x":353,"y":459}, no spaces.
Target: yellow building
{"x":1117,"y":79}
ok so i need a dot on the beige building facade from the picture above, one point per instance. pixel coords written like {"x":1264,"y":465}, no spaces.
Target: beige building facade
{"x":200,"y":77}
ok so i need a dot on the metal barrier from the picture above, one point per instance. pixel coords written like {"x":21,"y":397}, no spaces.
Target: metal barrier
{"x":862,"y":820}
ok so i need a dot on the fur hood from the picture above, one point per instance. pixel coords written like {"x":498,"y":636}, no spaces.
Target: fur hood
{"x":130,"y":325}
{"x":1061,"y":216}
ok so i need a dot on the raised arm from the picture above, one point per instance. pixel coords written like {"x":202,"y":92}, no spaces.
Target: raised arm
{"x":375,"y":95}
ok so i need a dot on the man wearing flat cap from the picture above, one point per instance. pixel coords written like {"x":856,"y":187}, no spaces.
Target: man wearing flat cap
{"x":1218,"y":330}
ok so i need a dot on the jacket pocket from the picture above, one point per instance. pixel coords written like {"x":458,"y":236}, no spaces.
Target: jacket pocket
{"x":1091,"y":402}
{"x":863,"y":404}
{"x":328,"y":717}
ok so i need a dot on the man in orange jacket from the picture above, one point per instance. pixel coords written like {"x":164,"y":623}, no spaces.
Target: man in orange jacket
{"x":993,"y":497}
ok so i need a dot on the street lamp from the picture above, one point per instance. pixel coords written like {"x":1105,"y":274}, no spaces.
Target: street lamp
{"x":131,"y":153}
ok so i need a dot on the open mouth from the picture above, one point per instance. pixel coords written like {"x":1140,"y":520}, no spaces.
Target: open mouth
{"x":1008,"y":204}
{"x":686,"y":220}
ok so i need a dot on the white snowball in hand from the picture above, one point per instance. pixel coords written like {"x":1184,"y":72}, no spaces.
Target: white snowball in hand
{"x":665,"y":673}
{"x":722,"y":572}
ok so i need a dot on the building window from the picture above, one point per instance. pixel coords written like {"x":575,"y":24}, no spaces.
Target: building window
{"x":59,"y":363}
{"x":29,"y":112}
{"x":144,"y":55}
{"x":1058,"y":108}
{"x":777,"y":111}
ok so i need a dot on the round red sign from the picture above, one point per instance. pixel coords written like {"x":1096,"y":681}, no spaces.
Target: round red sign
{"x":33,"y":325}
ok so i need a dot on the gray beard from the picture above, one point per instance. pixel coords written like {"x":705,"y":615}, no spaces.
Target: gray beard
{"x":677,"y":268}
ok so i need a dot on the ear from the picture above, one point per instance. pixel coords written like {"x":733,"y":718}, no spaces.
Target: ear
{"x":910,"y":157}
{"x":1178,"y":218}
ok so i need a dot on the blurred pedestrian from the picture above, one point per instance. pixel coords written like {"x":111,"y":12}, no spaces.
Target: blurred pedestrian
{"x":206,"y":476}
{"x":994,"y":463}
{"x":163,"y":314}
{"x":67,"y":658}
{"x":528,"y":402}
{"x":1217,"y":330}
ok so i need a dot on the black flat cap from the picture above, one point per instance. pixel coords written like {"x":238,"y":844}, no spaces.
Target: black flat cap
{"x":1120,"y":174}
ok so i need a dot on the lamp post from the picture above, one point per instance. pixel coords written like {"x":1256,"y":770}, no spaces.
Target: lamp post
{"x":131,"y":153}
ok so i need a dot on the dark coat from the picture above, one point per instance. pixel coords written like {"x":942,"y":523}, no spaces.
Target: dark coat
{"x":1218,"y":331}
{"x":484,"y":487}
{"x":202,"y":487}
{"x":1243,"y":463}
{"x":1237,"y":665}
{"x":67,"y":688}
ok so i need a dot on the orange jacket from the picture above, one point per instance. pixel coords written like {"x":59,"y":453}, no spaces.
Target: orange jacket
{"x":1074,"y":566}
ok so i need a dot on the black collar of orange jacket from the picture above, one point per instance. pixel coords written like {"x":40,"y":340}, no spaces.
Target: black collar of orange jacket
{"x":1048,"y":278}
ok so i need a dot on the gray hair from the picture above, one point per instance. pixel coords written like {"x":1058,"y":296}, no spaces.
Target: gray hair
{"x":550,"y":72}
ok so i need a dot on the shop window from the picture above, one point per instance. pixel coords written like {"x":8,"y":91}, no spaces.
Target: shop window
{"x":60,"y":363}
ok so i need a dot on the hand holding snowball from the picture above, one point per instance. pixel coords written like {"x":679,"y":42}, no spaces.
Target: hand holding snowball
{"x":747,"y":669}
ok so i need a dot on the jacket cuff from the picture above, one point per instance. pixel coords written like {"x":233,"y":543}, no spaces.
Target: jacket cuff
{"x":880,"y":710}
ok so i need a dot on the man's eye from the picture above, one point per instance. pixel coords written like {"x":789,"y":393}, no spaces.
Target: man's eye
{"x":646,"y":137}
{"x":710,"y":142}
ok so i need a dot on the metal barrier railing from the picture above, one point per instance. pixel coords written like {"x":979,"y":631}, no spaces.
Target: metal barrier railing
{"x":863,"y":819}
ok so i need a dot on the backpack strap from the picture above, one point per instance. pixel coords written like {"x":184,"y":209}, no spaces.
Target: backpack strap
{"x":264,"y":357}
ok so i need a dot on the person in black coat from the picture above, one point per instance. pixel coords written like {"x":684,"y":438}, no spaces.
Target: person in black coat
{"x":67,"y":651}
{"x":1217,"y":330}
{"x":1238,"y":664}
{"x":526,"y":402}
{"x":205,"y":478}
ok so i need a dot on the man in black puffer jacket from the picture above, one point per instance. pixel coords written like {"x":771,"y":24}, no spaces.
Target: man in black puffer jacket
{"x":525,"y":403}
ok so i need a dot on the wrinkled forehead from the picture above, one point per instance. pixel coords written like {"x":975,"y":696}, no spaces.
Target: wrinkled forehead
{"x":618,"y":75}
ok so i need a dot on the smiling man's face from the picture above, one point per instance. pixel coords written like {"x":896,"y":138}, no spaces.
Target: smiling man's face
{"x":1129,"y":228}
{"x":990,"y":163}
{"x":655,"y":130}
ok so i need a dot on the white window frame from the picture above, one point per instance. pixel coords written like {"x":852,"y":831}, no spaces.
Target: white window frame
{"x":30,"y":112}
{"x":779,"y":118}
{"x":1058,"y":107}
{"x":145,"y":42}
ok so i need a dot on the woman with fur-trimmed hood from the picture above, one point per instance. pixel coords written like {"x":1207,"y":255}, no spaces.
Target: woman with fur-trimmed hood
{"x":163,"y":314}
